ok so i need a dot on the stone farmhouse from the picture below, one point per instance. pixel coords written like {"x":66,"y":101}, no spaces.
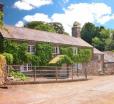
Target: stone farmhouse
{"x":32,"y":36}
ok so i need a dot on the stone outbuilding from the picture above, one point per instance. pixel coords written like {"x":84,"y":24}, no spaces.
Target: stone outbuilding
{"x":109,"y":62}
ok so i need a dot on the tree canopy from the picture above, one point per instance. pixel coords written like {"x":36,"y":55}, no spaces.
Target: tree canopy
{"x":39,"y":25}
{"x":98,"y":36}
{"x":55,"y":27}
{"x":88,"y":32}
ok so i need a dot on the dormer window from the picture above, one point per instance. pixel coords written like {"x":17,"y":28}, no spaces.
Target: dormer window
{"x":31,"y":49}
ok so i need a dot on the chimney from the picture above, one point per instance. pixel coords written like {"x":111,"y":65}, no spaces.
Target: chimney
{"x":76,"y":29}
{"x":1,"y":7}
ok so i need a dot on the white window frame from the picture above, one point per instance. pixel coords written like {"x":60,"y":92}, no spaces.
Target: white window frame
{"x":28,"y":67}
{"x":31,"y":49}
{"x":75,"y":50}
{"x":56,"y":50}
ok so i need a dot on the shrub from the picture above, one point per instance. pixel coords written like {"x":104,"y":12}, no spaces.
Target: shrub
{"x":9,"y":58}
{"x":16,"y":74}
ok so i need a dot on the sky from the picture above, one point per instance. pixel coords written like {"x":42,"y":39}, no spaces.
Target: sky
{"x":99,"y":12}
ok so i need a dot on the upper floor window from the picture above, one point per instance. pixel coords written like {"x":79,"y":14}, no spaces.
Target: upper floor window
{"x":56,"y":50}
{"x":75,"y":50}
{"x":31,"y":49}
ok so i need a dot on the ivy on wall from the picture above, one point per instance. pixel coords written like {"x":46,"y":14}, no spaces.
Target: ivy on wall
{"x":44,"y":52}
{"x":16,"y":53}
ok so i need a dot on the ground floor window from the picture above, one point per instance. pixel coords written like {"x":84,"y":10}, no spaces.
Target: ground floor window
{"x":26,"y":67}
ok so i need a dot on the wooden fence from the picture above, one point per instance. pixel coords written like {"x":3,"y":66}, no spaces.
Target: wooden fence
{"x":43,"y":74}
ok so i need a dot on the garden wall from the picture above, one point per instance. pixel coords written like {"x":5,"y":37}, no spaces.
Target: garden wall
{"x":109,"y":68}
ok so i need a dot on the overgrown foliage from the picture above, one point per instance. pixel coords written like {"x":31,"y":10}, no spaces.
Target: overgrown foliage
{"x":39,"y":25}
{"x":83,"y":56}
{"x":9,"y":58}
{"x":67,"y":50}
{"x":44,"y":52}
{"x":54,"y":27}
{"x":65,"y":60}
{"x":16,"y":74}
{"x":18,"y":51}
{"x":99,"y":37}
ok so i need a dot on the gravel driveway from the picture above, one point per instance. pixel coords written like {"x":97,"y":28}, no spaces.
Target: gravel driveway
{"x":98,"y":90}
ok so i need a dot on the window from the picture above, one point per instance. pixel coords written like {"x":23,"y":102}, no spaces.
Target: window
{"x":75,"y":50}
{"x":31,"y":49}
{"x":56,"y":50}
{"x":28,"y":67}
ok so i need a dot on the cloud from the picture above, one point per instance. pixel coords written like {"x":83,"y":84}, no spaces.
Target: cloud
{"x":84,"y":12}
{"x":37,"y":17}
{"x":81,"y":12}
{"x":31,"y":4}
{"x":19,"y":24}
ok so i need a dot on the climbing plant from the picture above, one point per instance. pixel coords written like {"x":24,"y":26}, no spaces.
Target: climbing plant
{"x":9,"y":58}
{"x":44,"y":52}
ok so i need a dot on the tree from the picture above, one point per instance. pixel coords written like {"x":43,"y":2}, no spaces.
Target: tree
{"x":84,"y":56}
{"x":103,"y":40}
{"x":97,"y":43}
{"x":54,"y":27}
{"x":1,"y":19}
{"x":39,"y":25}
{"x":88,"y":32}
{"x":58,"y":27}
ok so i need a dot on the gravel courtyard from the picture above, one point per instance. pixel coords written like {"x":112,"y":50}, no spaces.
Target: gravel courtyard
{"x":98,"y":90}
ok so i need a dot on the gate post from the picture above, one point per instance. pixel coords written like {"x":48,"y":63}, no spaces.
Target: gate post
{"x":72,"y":73}
{"x":34,"y":73}
{"x":56,"y":73}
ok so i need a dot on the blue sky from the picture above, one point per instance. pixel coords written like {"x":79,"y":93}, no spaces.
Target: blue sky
{"x":99,"y":12}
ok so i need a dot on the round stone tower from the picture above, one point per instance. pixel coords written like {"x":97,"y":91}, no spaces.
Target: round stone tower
{"x":76,"y":29}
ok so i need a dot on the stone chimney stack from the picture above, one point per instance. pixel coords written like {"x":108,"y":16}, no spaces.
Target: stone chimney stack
{"x":1,"y":7}
{"x":76,"y":29}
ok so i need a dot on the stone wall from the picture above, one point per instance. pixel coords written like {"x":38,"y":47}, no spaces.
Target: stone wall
{"x":95,"y":67}
{"x":109,"y":68}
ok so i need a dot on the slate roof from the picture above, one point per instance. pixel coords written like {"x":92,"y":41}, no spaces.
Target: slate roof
{"x":96,"y":51}
{"x":18,"y":33}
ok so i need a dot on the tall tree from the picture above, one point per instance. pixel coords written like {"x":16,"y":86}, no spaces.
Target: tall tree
{"x":103,"y":40}
{"x":88,"y":32}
